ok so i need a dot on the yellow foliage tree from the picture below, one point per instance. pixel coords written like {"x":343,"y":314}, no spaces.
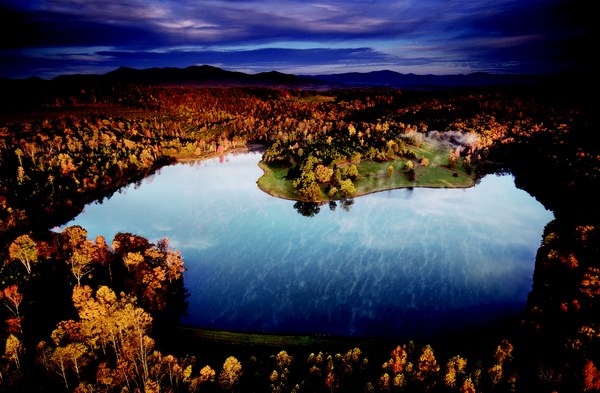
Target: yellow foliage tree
{"x":428,"y":366}
{"x":230,"y":374}
{"x":24,"y":250}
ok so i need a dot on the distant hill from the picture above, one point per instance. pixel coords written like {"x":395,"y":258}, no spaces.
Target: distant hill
{"x":206,"y":75}
{"x":32,"y":91}
{"x":197,"y":75}
{"x":413,"y":81}
{"x":213,"y":76}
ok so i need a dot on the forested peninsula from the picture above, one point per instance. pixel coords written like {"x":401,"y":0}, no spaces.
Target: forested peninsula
{"x":103,"y":315}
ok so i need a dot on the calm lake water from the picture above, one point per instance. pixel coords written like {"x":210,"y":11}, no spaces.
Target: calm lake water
{"x":401,"y":262}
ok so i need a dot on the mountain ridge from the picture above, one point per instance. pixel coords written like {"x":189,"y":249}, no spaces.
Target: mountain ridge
{"x":207,"y":75}
{"x":427,"y":81}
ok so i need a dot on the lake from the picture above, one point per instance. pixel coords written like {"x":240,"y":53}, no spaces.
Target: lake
{"x":395,"y":263}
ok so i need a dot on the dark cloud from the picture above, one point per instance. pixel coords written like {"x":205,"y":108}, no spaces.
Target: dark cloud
{"x":50,"y":37}
{"x":258,"y":60}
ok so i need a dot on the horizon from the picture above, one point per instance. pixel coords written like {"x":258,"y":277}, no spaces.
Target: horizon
{"x":45,"y":39}
{"x":92,"y":74}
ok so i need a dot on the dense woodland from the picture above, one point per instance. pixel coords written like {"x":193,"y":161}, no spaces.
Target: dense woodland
{"x":99,"y":315}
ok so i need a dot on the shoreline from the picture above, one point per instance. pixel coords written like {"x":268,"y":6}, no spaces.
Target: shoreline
{"x":201,"y":338}
{"x":252,"y":147}
{"x":268,"y":171}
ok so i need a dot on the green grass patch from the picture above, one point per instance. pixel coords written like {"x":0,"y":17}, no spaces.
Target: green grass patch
{"x":273,"y":182}
{"x":199,"y":338}
{"x":245,"y":339}
{"x":373,"y":176}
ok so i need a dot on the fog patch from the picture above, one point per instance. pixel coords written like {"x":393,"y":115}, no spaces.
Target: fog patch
{"x":456,"y":139}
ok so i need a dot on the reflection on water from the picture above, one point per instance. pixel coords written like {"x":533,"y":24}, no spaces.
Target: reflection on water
{"x":311,"y":209}
{"x":395,"y":262}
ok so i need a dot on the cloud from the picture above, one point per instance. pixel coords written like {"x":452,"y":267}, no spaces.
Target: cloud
{"x":259,"y":60}
{"x":455,"y":35}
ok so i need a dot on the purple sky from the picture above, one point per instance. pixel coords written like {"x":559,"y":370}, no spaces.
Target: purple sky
{"x":47,"y":38}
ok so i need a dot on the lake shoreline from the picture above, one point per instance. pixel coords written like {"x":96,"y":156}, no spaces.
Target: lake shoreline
{"x":295,"y":264}
{"x":297,"y":198}
{"x":249,"y":148}
{"x":284,"y":195}
{"x":481,"y":340}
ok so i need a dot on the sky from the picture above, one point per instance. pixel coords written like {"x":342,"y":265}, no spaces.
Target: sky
{"x":47,"y":38}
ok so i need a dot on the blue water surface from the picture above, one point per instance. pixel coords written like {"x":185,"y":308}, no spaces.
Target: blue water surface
{"x":393,"y":263}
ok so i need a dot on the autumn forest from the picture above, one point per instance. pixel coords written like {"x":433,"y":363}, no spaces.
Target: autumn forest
{"x":103,"y":315}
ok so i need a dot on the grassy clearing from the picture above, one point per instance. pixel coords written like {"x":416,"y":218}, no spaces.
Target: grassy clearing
{"x":246,"y":339}
{"x":273,"y":182}
{"x":198,"y":338}
{"x":373,"y":176}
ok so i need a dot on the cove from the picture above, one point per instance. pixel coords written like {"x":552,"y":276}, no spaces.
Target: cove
{"x":402,"y":263}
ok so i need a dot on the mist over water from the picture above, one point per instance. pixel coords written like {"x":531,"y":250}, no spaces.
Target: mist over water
{"x":395,"y":263}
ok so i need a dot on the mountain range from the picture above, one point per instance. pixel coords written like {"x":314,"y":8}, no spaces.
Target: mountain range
{"x":414,"y":81}
{"x":212,"y":76}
